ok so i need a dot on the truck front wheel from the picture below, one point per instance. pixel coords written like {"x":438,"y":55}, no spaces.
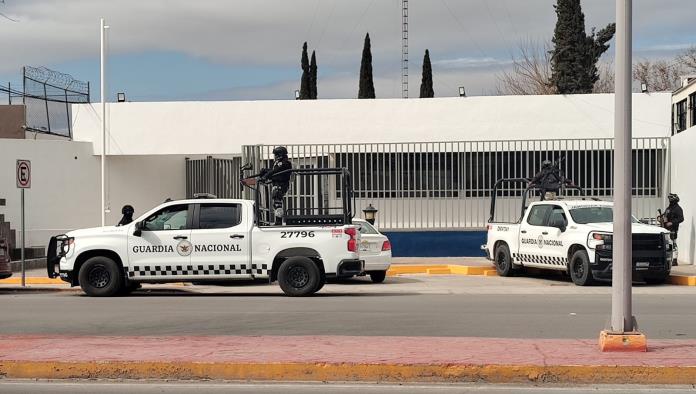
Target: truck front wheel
{"x":100,"y":277}
{"x":579,"y":269}
{"x":299,"y":276}
{"x":503,"y":261}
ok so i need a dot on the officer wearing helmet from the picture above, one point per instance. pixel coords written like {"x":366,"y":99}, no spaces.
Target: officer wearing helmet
{"x":279,"y":176}
{"x":127,"y":212}
{"x":673,"y":215}
{"x":548,"y":179}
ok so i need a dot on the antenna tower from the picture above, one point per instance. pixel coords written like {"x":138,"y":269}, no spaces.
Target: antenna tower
{"x":404,"y":48}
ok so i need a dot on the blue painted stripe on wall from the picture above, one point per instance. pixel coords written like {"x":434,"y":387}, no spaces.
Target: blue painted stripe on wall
{"x":437,"y":243}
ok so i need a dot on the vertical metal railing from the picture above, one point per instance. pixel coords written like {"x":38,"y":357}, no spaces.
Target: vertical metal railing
{"x":215,"y":176}
{"x":448,"y":185}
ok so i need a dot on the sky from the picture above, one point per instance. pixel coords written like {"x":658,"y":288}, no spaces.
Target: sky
{"x":164,"y":50}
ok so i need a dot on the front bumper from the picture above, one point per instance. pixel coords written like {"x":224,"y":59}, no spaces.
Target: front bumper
{"x":646,"y":264}
{"x":54,"y":254}
{"x":349,"y":268}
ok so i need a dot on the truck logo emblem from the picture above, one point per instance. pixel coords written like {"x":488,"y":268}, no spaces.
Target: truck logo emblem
{"x":184,"y":248}
{"x":540,"y":242}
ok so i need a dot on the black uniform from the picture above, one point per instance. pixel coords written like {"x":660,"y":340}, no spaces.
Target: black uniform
{"x":279,"y":176}
{"x":127,"y":218}
{"x":548,"y":179}
{"x":673,"y":215}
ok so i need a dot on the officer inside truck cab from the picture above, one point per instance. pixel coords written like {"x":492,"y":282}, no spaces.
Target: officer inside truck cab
{"x":279,"y":176}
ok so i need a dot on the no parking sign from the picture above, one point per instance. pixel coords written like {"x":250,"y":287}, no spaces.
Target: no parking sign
{"x":24,"y":174}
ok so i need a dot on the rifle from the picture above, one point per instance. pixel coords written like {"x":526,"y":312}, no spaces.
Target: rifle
{"x":660,"y":218}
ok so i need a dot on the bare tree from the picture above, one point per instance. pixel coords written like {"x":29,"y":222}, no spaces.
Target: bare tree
{"x":531,"y":71}
{"x":658,"y":75}
{"x":687,"y":59}
{"x":605,"y":83}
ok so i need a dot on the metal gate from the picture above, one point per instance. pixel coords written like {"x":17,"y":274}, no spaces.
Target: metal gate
{"x":448,"y":185}
{"x":215,"y":176}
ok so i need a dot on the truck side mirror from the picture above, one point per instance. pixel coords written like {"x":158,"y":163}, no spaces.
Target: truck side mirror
{"x":559,"y":223}
{"x":138,"y":229}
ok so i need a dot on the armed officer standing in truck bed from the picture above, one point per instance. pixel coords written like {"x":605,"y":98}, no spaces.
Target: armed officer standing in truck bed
{"x":549,"y":179}
{"x":279,"y":176}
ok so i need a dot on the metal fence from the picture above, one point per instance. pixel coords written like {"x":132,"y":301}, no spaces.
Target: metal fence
{"x":448,"y":185}
{"x":216,"y":176}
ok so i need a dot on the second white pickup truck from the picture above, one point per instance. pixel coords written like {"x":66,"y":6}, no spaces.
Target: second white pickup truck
{"x":575,"y":236}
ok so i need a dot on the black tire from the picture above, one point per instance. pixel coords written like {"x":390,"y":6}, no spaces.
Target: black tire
{"x":299,"y":277}
{"x":579,"y":269}
{"x":101,"y":277}
{"x":503,"y":261}
{"x":378,"y":276}
{"x":321,"y":283}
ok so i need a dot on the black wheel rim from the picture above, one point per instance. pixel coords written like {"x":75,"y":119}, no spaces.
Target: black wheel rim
{"x":298,"y":277}
{"x":99,"y":277}
{"x":578,"y":268}
{"x":501,"y":260}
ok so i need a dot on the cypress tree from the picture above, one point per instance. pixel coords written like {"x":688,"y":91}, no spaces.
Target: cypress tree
{"x":305,"y":81}
{"x":426,"y":88}
{"x":575,"y":54}
{"x":367,"y":86}
{"x":313,"y":77}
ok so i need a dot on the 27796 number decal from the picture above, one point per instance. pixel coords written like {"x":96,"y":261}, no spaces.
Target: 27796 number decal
{"x":297,"y":234}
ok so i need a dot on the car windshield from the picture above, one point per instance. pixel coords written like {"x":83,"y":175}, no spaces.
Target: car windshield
{"x":592,"y":215}
{"x":587,"y":215}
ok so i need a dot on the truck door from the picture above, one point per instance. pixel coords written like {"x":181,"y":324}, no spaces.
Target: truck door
{"x":163,"y":249}
{"x":557,"y":240}
{"x":532,"y":233}
{"x":221,"y":240}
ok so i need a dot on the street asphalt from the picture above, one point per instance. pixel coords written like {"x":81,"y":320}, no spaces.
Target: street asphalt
{"x":142,"y":387}
{"x":541,"y":307}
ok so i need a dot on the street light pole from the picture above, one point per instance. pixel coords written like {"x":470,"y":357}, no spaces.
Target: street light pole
{"x":103,"y":120}
{"x":621,"y":303}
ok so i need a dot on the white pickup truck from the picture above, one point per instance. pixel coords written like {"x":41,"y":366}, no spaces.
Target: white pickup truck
{"x":204,"y":240}
{"x":575,"y":236}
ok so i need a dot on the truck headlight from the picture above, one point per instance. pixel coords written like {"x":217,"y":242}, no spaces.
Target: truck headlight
{"x":668,"y":241}
{"x":600,"y":241}
{"x":66,"y":245}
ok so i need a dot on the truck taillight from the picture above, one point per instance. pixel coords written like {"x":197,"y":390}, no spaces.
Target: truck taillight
{"x":353,"y":241}
{"x":386,"y":246}
{"x":489,"y":227}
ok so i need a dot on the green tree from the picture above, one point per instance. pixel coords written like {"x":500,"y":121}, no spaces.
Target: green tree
{"x":367,"y":86}
{"x":305,"y":81}
{"x":575,"y":54}
{"x":426,"y":88}
{"x":313,"y":77}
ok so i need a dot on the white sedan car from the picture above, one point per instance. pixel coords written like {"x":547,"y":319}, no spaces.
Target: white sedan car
{"x":375,"y":249}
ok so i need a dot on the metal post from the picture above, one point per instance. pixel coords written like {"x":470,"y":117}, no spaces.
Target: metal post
{"x":103,"y":124}
{"x":621,"y":313}
{"x":24,"y":273}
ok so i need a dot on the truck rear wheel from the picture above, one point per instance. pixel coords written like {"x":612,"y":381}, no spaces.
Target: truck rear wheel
{"x":503,"y":261}
{"x":299,"y":276}
{"x":579,"y":269}
{"x":378,"y":276}
{"x":100,"y":276}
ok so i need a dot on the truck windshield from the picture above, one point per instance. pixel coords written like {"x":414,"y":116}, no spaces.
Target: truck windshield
{"x":592,"y":215}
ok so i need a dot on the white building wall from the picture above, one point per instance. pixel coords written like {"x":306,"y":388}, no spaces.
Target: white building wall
{"x":223,"y":127}
{"x":65,"y":192}
{"x":684,"y":184}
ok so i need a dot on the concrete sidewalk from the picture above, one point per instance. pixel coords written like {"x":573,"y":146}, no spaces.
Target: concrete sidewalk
{"x":344,"y":358}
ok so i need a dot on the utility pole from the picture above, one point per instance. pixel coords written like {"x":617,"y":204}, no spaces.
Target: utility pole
{"x":622,"y":335}
{"x":404,"y":48}
{"x":102,"y":63}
